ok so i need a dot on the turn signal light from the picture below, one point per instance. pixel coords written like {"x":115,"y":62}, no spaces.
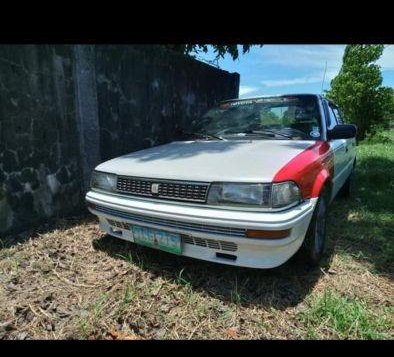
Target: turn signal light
{"x":255,"y":233}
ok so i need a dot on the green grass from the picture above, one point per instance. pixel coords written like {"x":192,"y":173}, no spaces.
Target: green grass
{"x":365,"y":223}
{"x":84,"y":327}
{"x":363,"y":230}
{"x":237,"y":293}
{"x":345,"y":318}
{"x":90,"y":319}
{"x":129,"y":295}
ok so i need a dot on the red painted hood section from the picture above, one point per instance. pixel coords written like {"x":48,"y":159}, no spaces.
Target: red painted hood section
{"x":305,"y":168}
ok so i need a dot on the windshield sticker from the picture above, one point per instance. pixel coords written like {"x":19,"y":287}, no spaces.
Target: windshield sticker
{"x":314,"y":133}
{"x":262,"y":100}
{"x":241,"y":102}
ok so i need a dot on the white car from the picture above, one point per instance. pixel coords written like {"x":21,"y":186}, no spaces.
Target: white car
{"x":248,"y":186}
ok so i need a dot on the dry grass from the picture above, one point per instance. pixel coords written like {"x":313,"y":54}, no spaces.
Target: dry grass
{"x":74,"y":282}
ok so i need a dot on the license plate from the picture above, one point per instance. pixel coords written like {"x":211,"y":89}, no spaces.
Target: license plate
{"x":155,"y":238}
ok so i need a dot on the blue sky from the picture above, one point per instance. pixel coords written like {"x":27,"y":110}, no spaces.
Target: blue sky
{"x":280,"y":69}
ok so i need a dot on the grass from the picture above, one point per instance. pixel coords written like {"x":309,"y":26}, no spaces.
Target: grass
{"x":367,"y":221}
{"x":345,"y":318}
{"x":75,"y":282}
{"x":91,"y":317}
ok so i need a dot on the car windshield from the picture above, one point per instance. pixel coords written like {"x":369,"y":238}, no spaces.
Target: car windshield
{"x":285,"y":117}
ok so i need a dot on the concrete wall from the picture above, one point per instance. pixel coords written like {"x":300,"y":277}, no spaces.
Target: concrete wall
{"x":64,"y":109}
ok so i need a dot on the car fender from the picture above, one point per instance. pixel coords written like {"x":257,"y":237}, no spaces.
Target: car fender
{"x":310,"y":170}
{"x":322,"y":179}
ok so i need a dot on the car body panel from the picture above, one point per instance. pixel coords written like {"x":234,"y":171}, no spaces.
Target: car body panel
{"x":209,"y":161}
{"x":253,"y":253}
{"x":309,"y":169}
{"x":311,"y":164}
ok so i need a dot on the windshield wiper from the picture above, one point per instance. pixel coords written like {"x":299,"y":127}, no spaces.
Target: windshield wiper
{"x":203,"y":135}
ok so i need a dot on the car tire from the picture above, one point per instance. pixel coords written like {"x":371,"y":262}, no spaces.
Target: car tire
{"x":312,"y":249}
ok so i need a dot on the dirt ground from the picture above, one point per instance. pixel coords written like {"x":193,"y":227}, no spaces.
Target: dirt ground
{"x":74,"y":282}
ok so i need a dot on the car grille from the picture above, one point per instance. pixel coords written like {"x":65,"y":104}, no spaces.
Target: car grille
{"x":186,"y":239}
{"x":175,"y":190}
{"x":210,"y":243}
{"x":196,"y":227}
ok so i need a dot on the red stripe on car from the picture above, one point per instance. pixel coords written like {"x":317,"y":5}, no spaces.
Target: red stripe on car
{"x":309,"y":169}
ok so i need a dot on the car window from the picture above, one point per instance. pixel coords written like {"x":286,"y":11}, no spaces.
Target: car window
{"x":332,"y":120}
{"x":337,"y":114}
{"x":297,"y":116}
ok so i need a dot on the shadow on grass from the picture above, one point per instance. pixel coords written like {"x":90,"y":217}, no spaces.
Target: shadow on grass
{"x":363,"y":225}
{"x":61,"y":223}
{"x":360,"y":226}
{"x":279,"y":288}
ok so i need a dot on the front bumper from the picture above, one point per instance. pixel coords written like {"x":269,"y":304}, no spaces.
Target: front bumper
{"x":214,"y":235}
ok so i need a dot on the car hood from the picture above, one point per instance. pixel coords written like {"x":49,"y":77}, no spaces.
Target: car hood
{"x":235,"y":160}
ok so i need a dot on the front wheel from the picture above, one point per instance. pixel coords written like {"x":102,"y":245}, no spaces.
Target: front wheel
{"x":312,"y":249}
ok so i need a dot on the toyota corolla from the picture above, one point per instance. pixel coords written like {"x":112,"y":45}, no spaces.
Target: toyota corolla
{"x":248,"y":184}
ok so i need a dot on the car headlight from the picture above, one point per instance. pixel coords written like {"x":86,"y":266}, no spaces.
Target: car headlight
{"x":256,"y":194}
{"x":285,"y":194}
{"x":103,"y":181}
{"x":239,"y":194}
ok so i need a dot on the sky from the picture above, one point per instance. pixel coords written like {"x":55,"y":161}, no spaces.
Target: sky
{"x":287,"y":69}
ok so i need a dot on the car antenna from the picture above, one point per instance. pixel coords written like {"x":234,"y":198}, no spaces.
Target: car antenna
{"x":324,"y":77}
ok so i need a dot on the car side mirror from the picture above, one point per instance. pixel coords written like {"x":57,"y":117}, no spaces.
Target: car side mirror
{"x":342,"y":131}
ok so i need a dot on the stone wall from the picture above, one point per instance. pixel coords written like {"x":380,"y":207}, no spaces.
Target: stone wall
{"x":145,"y":92}
{"x":39,"y":156}
{"x":64,"y":109}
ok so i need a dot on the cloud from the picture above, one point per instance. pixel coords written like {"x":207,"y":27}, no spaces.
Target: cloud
{"x":317,"y":78}
{"x":308,"y":61}
{"x":315,"y":56}
{"x":304,"y":56}
{"x":387,"y":60}
{"x":243,"y":90}
{"x":290,"y":82}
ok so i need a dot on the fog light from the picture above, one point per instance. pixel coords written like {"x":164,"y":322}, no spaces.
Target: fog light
{"x":255,"y":233}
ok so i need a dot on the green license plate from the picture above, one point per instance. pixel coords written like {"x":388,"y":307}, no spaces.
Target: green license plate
{"x":155,"y":238}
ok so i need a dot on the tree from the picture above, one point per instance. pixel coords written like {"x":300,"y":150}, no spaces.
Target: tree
{"x":358,"y":90}
{"x":389,"y":115}
{"x":220,"y":50}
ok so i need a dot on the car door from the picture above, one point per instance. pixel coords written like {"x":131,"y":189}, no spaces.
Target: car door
{"x":350,"y":143}
{"x":339,"y":148}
